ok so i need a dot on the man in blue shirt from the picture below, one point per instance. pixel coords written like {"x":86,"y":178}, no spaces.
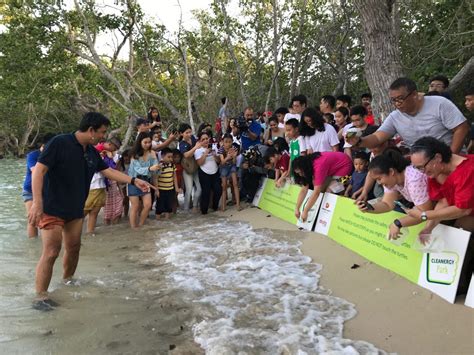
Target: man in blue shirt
{"x":60,"y":185}
{"x":251,"y":136}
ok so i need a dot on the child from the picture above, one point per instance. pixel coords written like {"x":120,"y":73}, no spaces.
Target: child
{"x":157,"y":138}
{"x":228,"y":164}
{"x":177,"y":158}
{"x":114,"y":199}
{"x":357,"y":181}
{"x":297,"y":145}
{"x":280,"y":160}
{"x":167,"y":184}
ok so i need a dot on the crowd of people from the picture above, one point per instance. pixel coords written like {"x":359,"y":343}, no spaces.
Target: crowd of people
{"x":415,"y":161}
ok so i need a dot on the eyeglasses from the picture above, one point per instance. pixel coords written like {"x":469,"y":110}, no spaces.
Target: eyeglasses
{"x":400,"y":99}
{"x":423,"y":167}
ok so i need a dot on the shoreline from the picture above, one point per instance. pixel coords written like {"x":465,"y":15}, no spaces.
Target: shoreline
{"x":392,"y":313}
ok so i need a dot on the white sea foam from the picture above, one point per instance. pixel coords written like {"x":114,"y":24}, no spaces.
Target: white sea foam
{"x":256,"y":293}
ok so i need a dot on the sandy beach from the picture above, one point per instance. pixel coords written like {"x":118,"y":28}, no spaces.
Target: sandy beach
{"x":393,"y":314}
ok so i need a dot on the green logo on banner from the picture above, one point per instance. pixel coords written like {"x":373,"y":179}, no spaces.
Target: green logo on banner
{"x":441,"y":267}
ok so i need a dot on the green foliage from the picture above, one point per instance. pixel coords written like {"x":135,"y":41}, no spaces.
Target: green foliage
{"x":43,"y":79}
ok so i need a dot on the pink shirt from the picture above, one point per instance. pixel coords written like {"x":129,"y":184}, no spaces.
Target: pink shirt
{"x":415,"y":188}
{"x":330,"y":164}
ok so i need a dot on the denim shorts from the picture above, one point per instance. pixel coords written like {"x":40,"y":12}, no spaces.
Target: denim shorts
{"x":27,"y":196}
{"x":132,"y":190}
{"x":227,"y":170}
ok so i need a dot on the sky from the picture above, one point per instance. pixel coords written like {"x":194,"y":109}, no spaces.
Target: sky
{"x":166,"y":12}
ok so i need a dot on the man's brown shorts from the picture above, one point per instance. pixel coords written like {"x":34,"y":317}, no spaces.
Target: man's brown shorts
{"x":48,"y":222}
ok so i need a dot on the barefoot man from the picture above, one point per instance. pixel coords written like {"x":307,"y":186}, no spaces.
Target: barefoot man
{"x":60,"y":184}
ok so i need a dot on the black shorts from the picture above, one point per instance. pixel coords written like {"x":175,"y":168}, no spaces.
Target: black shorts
{"x":164,"y":203}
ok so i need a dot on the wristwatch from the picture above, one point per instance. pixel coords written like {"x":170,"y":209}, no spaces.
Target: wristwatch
{"x":398,"y":223}
{"x":424,"y":217}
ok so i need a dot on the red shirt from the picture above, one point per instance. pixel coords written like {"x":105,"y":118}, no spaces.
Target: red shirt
{"x":283,"y":163}
{"x":458,"y":189}
{"x":370,"y":119}
{"x":179,"y":175}
{"x":100,"y":147}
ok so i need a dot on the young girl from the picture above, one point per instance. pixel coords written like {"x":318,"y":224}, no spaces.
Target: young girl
{"x":319,"y":136}
{"x":228,"y":164}
{"x":113,"y":208}
{"x":142,"y":166}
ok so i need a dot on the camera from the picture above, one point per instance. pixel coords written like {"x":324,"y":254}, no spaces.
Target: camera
{"x":242,"y":123}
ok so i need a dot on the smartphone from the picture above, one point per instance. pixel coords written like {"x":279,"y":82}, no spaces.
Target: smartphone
{"x":401,"y":205}
{"x":369,"y":206}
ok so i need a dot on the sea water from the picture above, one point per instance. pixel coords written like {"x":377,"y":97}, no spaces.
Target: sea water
{"x":194,"y":284}
{"x":256,"y":292}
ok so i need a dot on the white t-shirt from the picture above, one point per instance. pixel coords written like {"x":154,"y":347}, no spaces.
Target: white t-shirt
{"x":289,"y":116}
{"x":322,"y":141}
{"x":210,"y":166}
{"x":97,"y":182}
{"x":344,"y":131}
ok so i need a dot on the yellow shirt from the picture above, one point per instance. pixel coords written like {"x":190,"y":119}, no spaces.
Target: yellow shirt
{"x":166,"y":178}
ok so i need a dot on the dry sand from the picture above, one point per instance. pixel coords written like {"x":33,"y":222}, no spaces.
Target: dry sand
{"x":393,"y":313}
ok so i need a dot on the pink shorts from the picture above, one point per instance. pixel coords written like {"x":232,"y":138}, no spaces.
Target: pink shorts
{"x":48,"y":222}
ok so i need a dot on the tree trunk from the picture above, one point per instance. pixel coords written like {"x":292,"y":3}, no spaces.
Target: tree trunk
{"x":380,"y":34}
{"x":188,"y":86}
{"x":276,"y":63}
{"x":465,"y":74}
{"x":30,"y":125}
{"x":130,"y":122}
{"x":232,"y":54}
{"x":299,"y":45}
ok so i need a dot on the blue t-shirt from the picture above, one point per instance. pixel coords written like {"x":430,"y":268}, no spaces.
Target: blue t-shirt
{"x":31,"y":159}
{"x":184,"y":146}
{"x":70,"y":170}
{"x":255,"y":128}
{"x":358,"y":180}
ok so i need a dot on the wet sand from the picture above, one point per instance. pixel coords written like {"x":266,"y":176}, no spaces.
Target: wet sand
{"x":121,"y":305}
{"x":393,"y":314}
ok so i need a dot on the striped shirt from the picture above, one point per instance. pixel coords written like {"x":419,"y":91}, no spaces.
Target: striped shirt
{"x":166,"y":178}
